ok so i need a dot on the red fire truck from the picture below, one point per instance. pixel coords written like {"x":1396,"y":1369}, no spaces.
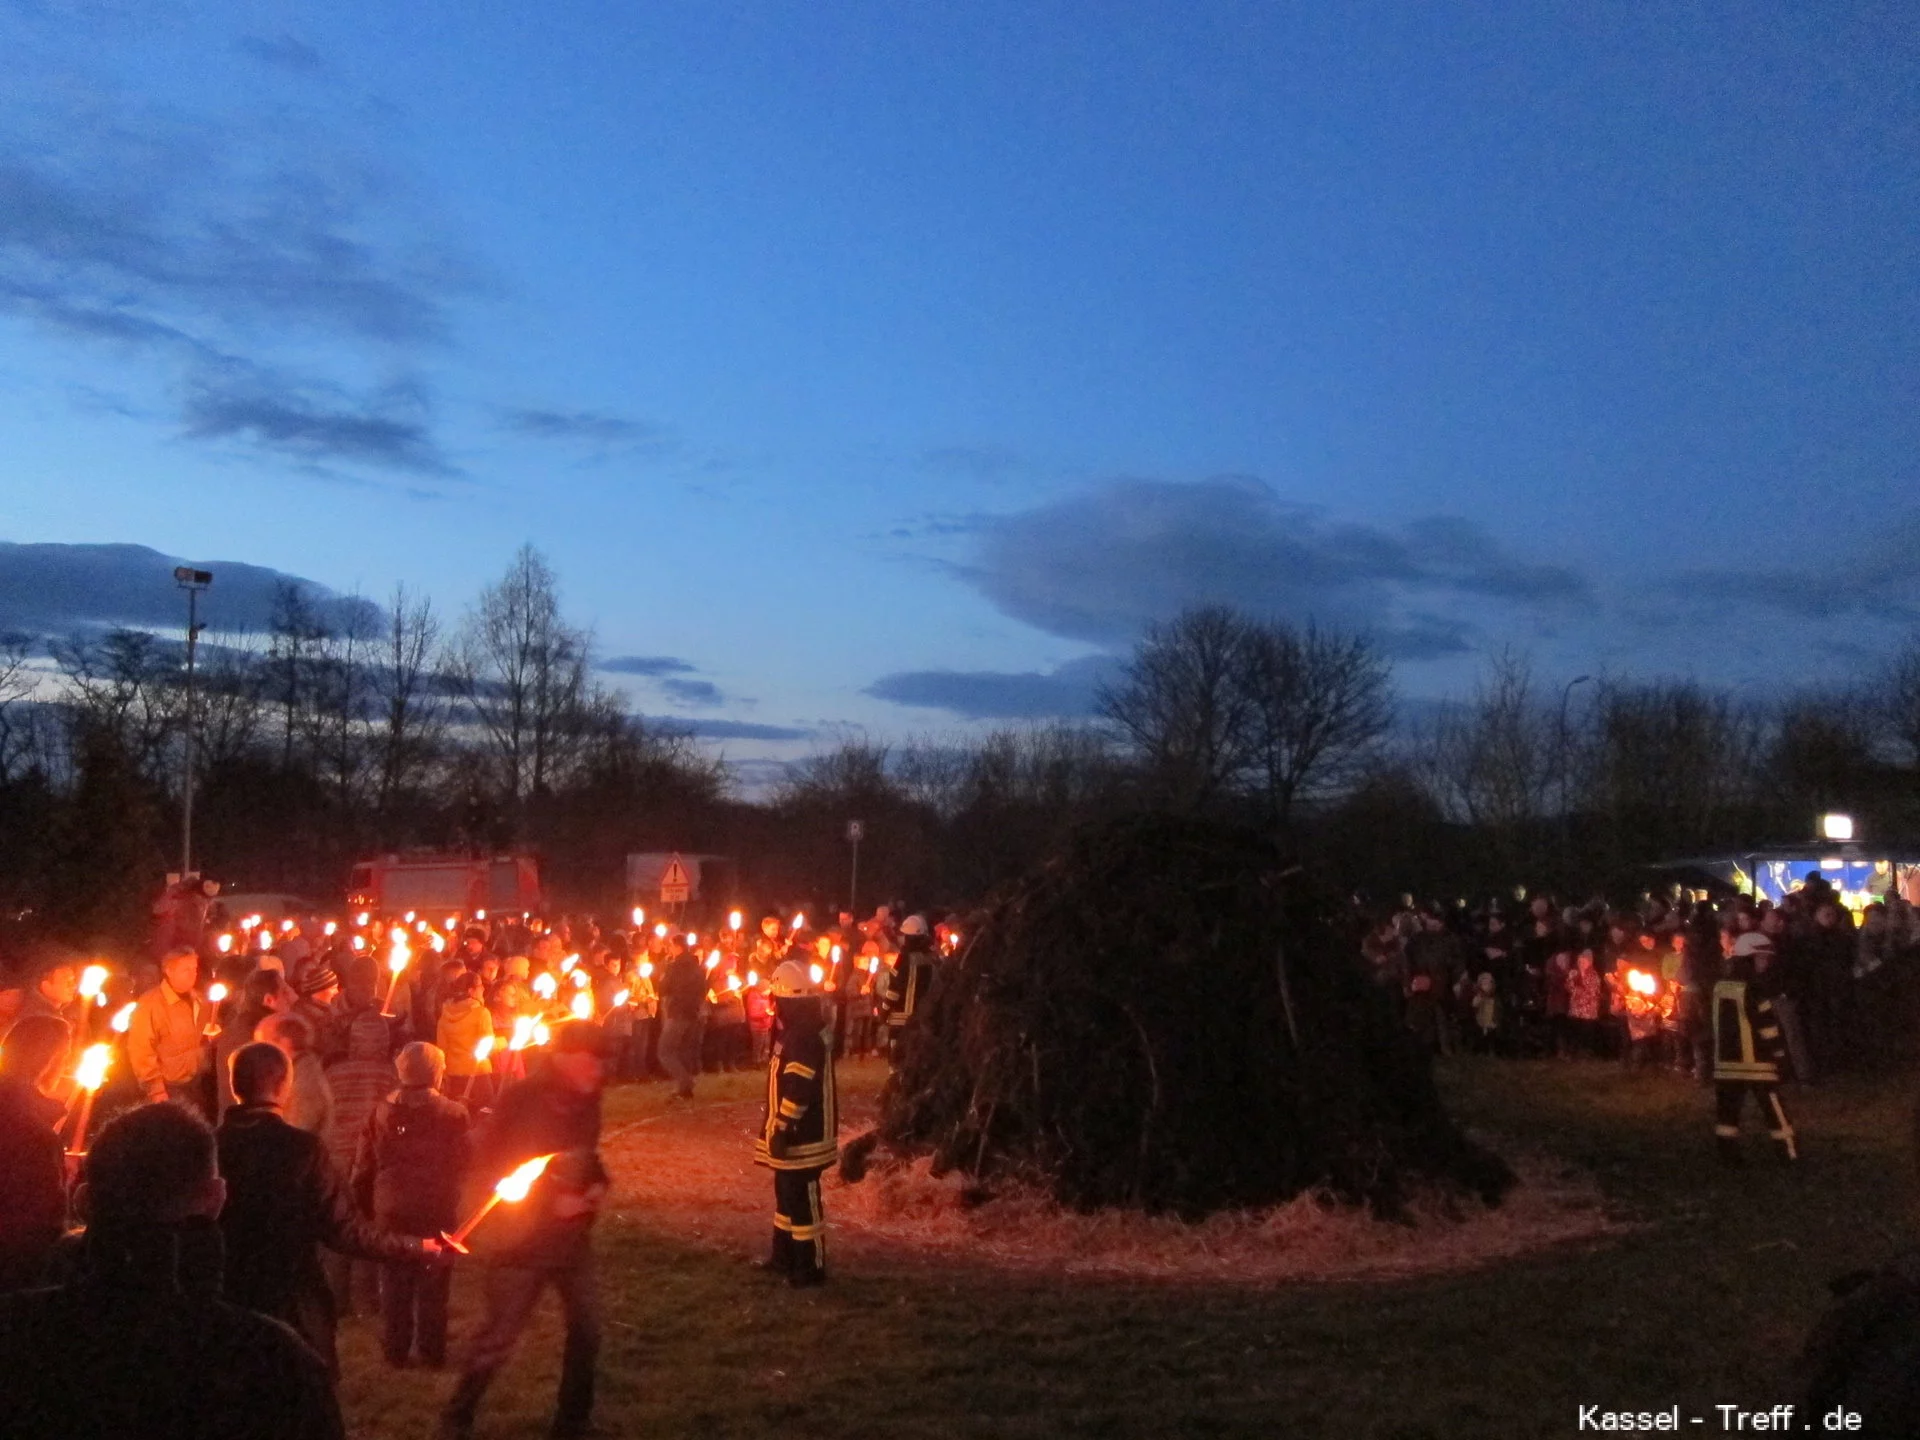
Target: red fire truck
{"x":445,"y":884}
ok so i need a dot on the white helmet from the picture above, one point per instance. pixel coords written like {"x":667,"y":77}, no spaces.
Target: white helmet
{"x":914,"y":925}
{"x":790,"y":978}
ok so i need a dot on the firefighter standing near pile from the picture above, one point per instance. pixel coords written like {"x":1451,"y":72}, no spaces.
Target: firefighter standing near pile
{"x":904,"y":986}
{"x":1748,"y":1050}
{"x":797,"y":1140}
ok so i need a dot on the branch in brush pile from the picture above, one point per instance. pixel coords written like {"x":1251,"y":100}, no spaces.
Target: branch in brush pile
{"x":1165,"y":1016}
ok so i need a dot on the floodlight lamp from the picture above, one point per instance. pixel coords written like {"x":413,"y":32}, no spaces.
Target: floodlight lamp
{"x":187,"y":575}
{"x":1836,"y":827}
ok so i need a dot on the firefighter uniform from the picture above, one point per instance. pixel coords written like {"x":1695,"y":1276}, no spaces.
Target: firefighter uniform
{"x":1747,"y":1054}
{"x":798,"y":1138}
{"x":904,"y":986}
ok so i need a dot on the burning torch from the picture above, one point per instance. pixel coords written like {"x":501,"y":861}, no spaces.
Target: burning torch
{"x":89,"y":1075}
{"x":512,"y":1188}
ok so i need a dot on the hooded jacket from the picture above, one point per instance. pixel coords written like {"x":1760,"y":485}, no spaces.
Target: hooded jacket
{"x":464,"y":1023}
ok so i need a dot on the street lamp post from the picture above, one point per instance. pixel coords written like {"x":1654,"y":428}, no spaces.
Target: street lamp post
{"x":193,"y":582}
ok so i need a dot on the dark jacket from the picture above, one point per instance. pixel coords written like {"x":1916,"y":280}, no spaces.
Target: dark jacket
{"x":134,"y":1347}
{"x":33,"y":1184}
{"x":683,"y":988}
{"x":538,"y":1116}
{"x":413,"y":1161}
{"x":285,"y":1199}
{"x":801,"y":1124}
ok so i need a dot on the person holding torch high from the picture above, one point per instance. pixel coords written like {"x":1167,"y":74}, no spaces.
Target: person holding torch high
{"x":546,"y":1128}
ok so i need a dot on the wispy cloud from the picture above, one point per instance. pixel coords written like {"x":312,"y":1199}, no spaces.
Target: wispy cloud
{"x":697,"y":694}
{"x":730,"y":729}
{"x":388,"y":432}
{"x":284,"y":52}
{"x":1874,"y":579}
{"x":1067,"y":691}
{"x":586,"y":426}
{"x":971,"y":462}
{"x":649,"y":665}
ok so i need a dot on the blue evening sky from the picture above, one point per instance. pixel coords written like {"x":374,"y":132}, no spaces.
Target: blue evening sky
{"x":891,"y":365}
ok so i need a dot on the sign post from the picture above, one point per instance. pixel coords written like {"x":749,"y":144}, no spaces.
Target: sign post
{"x":855,"y":830}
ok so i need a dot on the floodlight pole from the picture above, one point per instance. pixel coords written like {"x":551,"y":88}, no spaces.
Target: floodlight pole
{"x":193,"y":582}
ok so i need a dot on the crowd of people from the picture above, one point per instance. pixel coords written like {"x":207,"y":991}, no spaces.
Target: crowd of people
{"x":295,"y":1112}
{"x":1536,"y":979}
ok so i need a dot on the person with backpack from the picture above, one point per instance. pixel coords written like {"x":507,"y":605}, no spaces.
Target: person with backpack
{"x":413,"y":1160}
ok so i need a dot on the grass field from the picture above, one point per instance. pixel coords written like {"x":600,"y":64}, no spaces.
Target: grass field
{"x":1703,"y":1300}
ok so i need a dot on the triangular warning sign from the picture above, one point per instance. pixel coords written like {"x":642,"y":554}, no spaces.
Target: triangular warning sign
{"x":676,"y":885}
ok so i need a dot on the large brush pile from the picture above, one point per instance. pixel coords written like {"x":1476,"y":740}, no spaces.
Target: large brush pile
{"x":1163,"y":1018}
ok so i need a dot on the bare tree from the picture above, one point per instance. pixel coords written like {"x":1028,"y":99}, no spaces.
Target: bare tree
{"x":121,"y":684}
{"x":1183,"y":706}
{"x":342,"y":703}
{"x":932,"y":772}
{"x":1320,"y":702}
{"x":853,"y":775}
{"x":522,"y":670}
{"x":1896,"y":691}
{"x":409,"y":711}
{"x":1666,"y":764}
{"x":231,"y":702}
{"x":17,"y":683}
{"x":1822,"y":753}
{"x":298,"y":633}
{"x":1493,"y":761}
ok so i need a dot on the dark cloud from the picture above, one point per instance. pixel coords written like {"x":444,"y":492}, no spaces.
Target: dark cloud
{"x":204,"y":248}
{"x":1102,"y":565}
{"x":692,"y":692}
{"x":646,"y":665}
{"x":1065,"y":692}
{"x":1875,"y":580}
{"x":588,"y":427}
{"x":56,"y":589}
{"x":315,"y":428}
{"x":284,"y":52}
{"x":728,"y":729}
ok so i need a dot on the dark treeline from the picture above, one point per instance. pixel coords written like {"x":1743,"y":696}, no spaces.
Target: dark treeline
{"x":350,"y":729}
